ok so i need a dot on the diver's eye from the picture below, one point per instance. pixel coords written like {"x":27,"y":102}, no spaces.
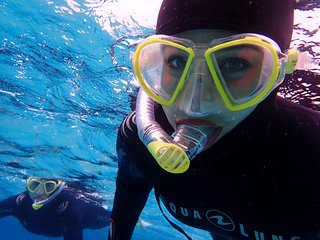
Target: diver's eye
{"x":233,"y":64}
{"x":33,"y":185}
{"x":234,"y":68}
{"x":50,"y":187}
{"x":177,"y":62}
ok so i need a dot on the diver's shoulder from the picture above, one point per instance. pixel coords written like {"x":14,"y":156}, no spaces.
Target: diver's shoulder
{"x":289,"y":109}
{"x":22,"y":199}
{"x":297,"y":124}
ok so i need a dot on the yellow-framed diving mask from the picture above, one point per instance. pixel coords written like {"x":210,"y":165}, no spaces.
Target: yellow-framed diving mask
{"x":43,"y":190}
{"x":49,"y":186}
{"x":244,"y":68}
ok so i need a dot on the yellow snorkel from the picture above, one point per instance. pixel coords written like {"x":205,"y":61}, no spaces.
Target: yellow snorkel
{"x":172,"y":153}
{"x":36,"y":206}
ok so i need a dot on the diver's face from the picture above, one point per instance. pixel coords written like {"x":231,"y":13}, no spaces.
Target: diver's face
{"x":39,"y":195}
{"x":40,"y":189}
{"x":199,"y":103}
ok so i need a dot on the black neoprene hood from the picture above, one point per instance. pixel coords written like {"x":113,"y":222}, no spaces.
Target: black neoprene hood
{"x":272,"y":18}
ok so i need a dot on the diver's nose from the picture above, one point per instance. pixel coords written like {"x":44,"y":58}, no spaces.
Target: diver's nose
{"x":199,"y":97}
{"x":40,"y":189}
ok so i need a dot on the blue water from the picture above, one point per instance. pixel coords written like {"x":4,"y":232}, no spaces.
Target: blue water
{"x":65,"y":86}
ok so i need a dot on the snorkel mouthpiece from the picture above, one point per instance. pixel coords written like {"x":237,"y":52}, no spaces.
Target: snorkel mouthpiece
{"x":172,"y":153}
{"x":191,"y":139}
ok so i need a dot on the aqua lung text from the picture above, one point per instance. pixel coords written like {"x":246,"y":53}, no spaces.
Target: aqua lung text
{"x":222,"y":221}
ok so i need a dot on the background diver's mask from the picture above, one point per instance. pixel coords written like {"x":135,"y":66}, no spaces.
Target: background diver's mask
{"x":42,"y":190}
{"x":245,"y":68}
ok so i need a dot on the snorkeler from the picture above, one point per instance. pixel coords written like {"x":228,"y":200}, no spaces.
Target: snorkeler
{"x":222,"y":151}
{"x":49,"y":207}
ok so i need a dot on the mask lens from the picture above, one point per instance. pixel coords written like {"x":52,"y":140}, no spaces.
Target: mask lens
{"x":243,"y":70}
{"x":50,"y":186}
{"x":33,"y":185}
{"x":162,"y":66}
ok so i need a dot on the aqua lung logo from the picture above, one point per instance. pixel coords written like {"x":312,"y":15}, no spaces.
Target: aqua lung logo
{"x":220,"y":220}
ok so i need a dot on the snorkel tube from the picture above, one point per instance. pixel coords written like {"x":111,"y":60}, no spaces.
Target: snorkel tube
{"x":173,"y":153}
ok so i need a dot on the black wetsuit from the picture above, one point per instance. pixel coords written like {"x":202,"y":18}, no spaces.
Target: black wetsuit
{"x":260,"y":181}
{"x":66,"y":215}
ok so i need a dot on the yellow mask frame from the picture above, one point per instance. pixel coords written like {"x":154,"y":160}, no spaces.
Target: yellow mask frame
{"x":282,"y":63}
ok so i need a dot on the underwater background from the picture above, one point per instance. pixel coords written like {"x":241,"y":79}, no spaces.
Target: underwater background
{"x":66,"y":84}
